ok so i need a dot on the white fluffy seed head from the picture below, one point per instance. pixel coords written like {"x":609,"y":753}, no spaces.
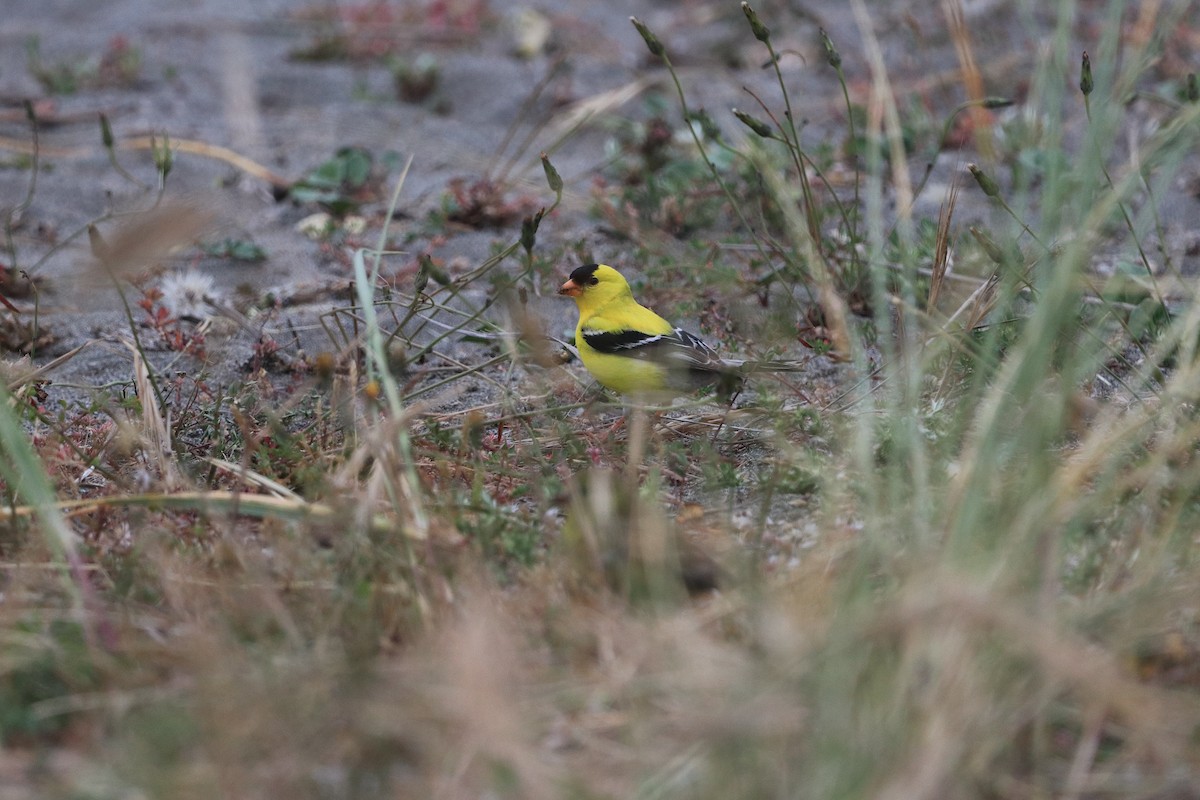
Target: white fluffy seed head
{"x":188,"y":294}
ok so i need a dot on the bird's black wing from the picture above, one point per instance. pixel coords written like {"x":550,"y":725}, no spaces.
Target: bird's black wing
{"x":678,"y":348}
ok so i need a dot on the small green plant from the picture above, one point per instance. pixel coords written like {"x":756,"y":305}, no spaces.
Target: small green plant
{"x":120,"y":65}
{"x":798,"y":479}
{"x":416,"y":80}
{"x":484,"y":203}
{"x":236,"y":250}
{"x":341,"y":184}
{"x":660,"y":179}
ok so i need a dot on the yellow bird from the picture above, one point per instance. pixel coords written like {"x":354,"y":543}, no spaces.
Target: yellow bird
{"x":633,"y":351}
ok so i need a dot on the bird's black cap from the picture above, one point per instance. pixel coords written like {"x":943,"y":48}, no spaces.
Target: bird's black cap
{"x":585,"y":275}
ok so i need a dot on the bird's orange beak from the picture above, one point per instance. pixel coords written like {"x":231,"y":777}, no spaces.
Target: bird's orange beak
{"x":570,"y":289}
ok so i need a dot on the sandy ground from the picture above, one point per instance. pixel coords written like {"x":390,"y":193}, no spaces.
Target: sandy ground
{"x":220,"y":72}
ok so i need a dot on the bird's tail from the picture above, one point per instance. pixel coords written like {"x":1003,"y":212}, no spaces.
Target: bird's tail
{"x":751,"y":367}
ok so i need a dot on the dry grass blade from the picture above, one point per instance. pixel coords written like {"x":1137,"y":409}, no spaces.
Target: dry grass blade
{"x":941,"y":251}
{"x":149,"y":237}
{"x":980,"y":303}
{"x":1085,"y":752}
{"x":154,"y":426}
{"x":596,"y":105}
{"x":1064,"y":657}
{"x":482,"y":669}
{"x":884,"y":117}
{"x":833,"y":305}
{"x":190,"y":146}
{"x":18,"y":373}
{"x":214,"y":151}
{"x":220,"y":502}
{"x":528,"y":330}
{"x":971,"y":78}
{"x":254,"y":478}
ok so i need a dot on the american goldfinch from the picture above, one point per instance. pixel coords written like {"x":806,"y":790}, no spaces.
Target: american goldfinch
{"x":633,"y":351}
